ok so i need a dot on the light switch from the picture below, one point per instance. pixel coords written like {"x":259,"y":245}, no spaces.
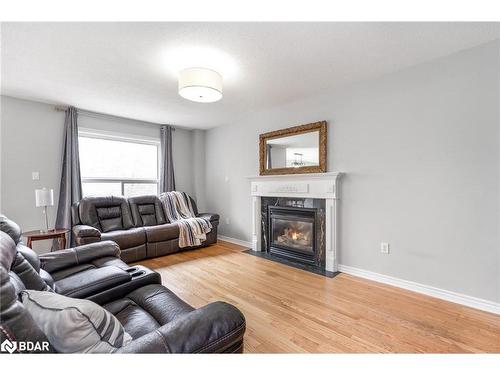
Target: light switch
{"x":384,"y":248}
{"x":35,"y":176}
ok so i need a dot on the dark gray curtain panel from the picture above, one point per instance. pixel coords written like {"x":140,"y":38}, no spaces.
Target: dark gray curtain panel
{"x":167,"y":179}
{"x":70,"y":190}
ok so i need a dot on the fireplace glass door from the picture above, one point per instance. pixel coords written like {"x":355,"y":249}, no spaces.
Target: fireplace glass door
{"x":292,"y":233}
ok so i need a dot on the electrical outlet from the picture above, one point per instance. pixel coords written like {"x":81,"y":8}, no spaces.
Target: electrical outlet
{"x":384,"y":248}
{"x":228,"y":221}
{"x":35,"y":176}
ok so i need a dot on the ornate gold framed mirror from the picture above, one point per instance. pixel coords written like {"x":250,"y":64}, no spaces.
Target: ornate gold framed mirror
{"x":300,"y":149}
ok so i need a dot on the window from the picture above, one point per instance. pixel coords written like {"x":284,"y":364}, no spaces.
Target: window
{"x":115,"y":165}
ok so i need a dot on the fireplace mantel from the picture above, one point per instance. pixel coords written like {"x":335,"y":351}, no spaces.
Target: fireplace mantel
{"x":311,"y":185}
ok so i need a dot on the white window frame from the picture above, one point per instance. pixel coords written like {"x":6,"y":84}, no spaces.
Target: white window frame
{"x":122,"y":137}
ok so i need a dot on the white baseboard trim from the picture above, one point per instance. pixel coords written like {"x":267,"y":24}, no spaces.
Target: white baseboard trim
{"x":235,"y":241}
{"x":462,"y":299}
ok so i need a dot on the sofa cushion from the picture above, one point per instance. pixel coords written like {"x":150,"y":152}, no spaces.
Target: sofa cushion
{"x":147,"y":214}
{"x":162,"y":248}
{"x":126,"y":238}
{"x":136,"y":321}
{"x":29,"y":255}
{"x":147,"y":308}
{"x":75,"y":325}
{"x":163,"y":232}
{"x":27,"y":274}
{"x":110,"y":218}
{"x":160,"y":302}
{"x":147,"y":210}
{"x":11,"y":228}
{"x":134,"y":254}
{"x":105,"y":213}
{"x":16,"y":282}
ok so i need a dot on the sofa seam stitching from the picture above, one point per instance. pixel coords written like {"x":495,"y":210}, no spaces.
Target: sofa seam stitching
{"x":164,"y":341}
{"x":237,"y":330}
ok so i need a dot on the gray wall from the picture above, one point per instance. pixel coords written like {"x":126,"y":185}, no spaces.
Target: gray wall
{"x":31,"y":140}
{"x":420,"y":149}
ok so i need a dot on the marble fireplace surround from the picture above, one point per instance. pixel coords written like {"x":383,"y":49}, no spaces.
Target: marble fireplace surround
{"x":311,"y":185}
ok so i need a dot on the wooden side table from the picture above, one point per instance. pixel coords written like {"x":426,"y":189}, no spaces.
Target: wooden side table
{"x":36,"y":235}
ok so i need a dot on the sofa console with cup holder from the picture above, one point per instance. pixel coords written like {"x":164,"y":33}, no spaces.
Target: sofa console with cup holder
{"x":138,"y":276}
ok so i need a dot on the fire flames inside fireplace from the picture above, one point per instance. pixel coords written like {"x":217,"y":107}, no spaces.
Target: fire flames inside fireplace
{"x":294,"y":234}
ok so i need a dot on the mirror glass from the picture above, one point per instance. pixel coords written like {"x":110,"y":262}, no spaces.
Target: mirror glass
{"x":294,"y":151}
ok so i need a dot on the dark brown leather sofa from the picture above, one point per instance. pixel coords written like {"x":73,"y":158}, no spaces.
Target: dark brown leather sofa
{"x":157,"y":320}
{"x":138,"y":225}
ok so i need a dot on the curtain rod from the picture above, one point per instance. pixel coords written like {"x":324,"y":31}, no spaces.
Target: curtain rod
{"x":93,"y":114}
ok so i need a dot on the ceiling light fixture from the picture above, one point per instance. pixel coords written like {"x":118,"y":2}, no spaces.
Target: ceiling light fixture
{"x":200,"y":85}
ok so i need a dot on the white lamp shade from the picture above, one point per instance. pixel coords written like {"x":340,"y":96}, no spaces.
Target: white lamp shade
{"x":200,"y":85}
{"x":44,"y":197}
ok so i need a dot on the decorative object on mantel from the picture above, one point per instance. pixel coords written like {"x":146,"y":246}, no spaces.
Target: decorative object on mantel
{"x":300,"y":149}
{"x":44,"y":198}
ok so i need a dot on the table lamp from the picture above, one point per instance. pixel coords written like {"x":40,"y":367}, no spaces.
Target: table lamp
{"x":44,"y":198}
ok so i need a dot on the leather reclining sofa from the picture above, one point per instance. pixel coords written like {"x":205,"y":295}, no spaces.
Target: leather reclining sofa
{"x":157,"y":320}
{"x":138,"y":225}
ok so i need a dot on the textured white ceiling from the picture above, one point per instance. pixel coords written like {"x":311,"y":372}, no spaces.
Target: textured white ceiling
{"x":129,"y":69}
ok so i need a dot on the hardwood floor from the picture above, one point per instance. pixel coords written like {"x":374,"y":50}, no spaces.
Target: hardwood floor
{"x":293,"y":311}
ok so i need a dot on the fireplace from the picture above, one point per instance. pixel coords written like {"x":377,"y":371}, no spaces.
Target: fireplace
{"x":292,"y":233}
{"x":299,"y":203}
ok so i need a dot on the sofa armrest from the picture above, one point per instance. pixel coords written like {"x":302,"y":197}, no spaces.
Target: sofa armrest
{"x":92,"y":281}
{"x":60,"y":259}
{"x":86,"y":231}
{"x":214,"y":328}
{"x":209,"y":216}
{"x":85,"y":234}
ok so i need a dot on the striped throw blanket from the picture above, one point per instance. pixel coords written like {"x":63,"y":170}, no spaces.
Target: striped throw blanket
{"x":192,"y":230}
